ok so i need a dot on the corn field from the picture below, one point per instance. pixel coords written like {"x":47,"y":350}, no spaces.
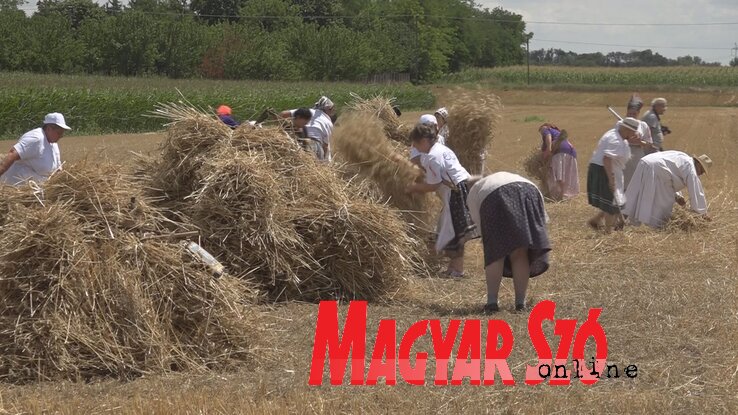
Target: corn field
{"x":692,"y":76}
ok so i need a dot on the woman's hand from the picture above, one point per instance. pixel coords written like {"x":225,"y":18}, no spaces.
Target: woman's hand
{"x":681,"y":200}
{"x":411,"y":189}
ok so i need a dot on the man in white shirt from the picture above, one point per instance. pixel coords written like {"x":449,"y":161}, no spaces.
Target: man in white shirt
{"x":317,"y":127}
{"x":654,"y":188}
{"x":36,"y":155}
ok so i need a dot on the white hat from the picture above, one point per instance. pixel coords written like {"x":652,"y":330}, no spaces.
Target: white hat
{"x":428,"y":119}
{"x":630,"y":123}
{"x":56,"y":119}
{"x":658,"y":101}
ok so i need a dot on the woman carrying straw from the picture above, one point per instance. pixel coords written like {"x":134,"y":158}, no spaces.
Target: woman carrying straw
{"x":560,"y":161}
{"x":510,"y":211}
{"x":605,"y":188}
{"x":445,"y":176}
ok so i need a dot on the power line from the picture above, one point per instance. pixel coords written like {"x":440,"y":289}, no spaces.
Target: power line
{"x":405,"y":16}
{"x":627,"y":46}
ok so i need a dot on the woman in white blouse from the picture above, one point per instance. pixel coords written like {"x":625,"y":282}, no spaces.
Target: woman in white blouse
{"x":605,"y":180}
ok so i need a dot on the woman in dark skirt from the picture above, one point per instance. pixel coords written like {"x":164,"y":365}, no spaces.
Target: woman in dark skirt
{"x":509,"y":210}
{"x":605,"y":179}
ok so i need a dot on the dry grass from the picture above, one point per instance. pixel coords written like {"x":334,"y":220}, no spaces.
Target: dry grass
{"x":473,"y":123}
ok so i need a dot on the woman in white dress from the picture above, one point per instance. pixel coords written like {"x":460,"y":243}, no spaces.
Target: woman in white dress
{"x":448,"y":178}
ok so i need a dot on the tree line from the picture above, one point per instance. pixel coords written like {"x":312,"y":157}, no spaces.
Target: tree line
{"x":633,"y":58}
{"x":327,"y":40}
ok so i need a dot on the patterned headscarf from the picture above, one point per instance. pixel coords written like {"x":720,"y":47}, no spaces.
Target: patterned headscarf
{"x":324,"y":103}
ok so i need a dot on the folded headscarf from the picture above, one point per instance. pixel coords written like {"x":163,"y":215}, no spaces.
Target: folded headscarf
{"x":324,"y":103}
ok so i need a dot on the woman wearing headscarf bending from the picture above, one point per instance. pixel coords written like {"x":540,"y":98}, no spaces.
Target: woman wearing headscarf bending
{"x":510,"y":212}
{"x":560,"y":159}
{"x":447,"y":177}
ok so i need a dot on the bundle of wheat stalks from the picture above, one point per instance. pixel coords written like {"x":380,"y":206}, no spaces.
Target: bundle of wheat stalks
{"x":473,"y":124}
{"x":275,"y":215}
{"x":536,"y":168}
{"x":382,"y":109}
{"x":684,"y":220}
{"x":84,"y":293}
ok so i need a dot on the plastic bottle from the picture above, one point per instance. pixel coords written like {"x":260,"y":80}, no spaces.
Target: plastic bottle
{"x":208,"y":259}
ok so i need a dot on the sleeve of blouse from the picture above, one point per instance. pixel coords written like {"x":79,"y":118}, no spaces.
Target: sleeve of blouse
{"x":697,"y":199}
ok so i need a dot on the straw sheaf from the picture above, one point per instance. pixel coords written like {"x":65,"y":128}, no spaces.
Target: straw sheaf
{"x":473,"y":124}
{"x":381,"y":108}
{"x":360,"y":142}
{"x":536,"y":169}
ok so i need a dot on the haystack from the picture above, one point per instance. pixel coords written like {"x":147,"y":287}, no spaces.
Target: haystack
{"x":473,"y":124}
{"x":272,"y":213}
{"x":381,"y":108}
{"x":85,"y":294}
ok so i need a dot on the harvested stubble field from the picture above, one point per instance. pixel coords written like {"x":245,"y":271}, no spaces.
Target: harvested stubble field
{"x":669,"y":303}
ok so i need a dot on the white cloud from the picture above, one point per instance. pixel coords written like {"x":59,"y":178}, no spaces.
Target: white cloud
{"x":697,"y":40}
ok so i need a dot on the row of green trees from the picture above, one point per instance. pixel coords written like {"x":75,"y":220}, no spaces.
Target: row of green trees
{"x":634,"y":58}
{"x":259,"y":39}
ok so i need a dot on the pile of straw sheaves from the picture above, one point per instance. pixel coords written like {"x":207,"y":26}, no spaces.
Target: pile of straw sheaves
{"x":85,"y":293}
{"x":473,"y":124}
{"x":273,"y":214}
{"x":96,"y":280}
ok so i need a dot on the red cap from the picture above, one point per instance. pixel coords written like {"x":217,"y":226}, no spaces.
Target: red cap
{"x":224,"y":110}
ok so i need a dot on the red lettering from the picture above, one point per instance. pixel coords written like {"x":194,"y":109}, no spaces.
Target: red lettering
{"x":384,"y":347}
{"x":496,"y":359}
{"x":442,"y":347}
{"x":469,"y":348}
{"x":542,"y":311}
{"x":326,"y":338}
{"x":416,"y":375}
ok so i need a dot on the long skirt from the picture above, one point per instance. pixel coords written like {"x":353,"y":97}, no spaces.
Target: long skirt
{"x":636,"y":154}
{"x":513,"y":217}
{"x":599,"y":194}
{"x":650,"y":197}
{"x":458,"y":217}
{"x":563,"y":168}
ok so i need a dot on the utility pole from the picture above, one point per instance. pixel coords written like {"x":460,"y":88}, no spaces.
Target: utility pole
{"x":735,"y":50}
{"x":527,"y":49}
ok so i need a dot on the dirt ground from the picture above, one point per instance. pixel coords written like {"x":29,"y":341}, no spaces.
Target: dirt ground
{"x":668,"y":299}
